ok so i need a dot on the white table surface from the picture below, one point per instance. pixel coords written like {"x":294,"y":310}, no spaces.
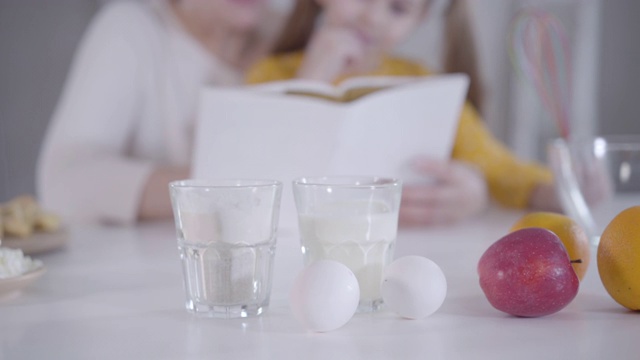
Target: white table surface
{"x":116,"y":293}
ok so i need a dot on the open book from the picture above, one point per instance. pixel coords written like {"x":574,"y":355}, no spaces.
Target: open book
{"x":265,"y":131}
{"x":348,"y":90}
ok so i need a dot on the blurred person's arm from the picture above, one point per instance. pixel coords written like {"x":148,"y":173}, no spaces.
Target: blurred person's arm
{"x":512,"y":182}
{"x":274,"y":68}
{"x":84,"y":172}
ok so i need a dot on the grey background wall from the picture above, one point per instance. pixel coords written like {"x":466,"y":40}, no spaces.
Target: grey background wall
{"x":38,"y":37}
{"x":620,"y":68}
{"x":37,"y":41}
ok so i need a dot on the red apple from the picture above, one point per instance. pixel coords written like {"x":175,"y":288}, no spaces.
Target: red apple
{"x":528,"y":273}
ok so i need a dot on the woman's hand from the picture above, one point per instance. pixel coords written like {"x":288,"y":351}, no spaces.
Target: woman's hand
{"x":451,"y":191}
{"x":156,"y":203}
{"x":332,"y":52}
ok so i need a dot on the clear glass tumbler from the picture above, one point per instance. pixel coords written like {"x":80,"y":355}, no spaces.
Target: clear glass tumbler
{"x":226,"y":232}
{"x":353,"y":220}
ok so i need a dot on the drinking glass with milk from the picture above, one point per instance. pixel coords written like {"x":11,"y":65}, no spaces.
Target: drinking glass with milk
{"x":226,"y":233}
{"x":353,"y":220}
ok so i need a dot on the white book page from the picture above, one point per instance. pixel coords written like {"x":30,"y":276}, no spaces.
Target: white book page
{"x":385,"y":130}
{"x":244,"y":133}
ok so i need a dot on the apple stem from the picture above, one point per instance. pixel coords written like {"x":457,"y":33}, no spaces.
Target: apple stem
{"x":579,"y":261}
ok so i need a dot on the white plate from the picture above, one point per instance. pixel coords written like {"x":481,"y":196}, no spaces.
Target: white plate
{"x":12,"y":286}
{"x":38,"y":242}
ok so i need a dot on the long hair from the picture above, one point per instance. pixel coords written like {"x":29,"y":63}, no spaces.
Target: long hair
{"x":298,"y":30}
{"x":460,"y":52}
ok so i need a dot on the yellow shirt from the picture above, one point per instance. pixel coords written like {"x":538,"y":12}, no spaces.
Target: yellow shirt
{"x":510,"y":180}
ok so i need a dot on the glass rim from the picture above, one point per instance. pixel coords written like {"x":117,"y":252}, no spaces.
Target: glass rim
{"x":355,"y":182}
{"x":620,"y":142}
{"x":224,"y":183}
{"x":615,"y":142}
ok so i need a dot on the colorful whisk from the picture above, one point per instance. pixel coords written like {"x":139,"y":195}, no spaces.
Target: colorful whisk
{"x":539,"y":50}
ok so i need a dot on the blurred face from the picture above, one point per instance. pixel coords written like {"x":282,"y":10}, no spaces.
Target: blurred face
{"x":240,"y":15}
{"x":379,"y":24}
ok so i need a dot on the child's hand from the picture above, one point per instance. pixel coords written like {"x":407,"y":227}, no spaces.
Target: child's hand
{"x":332,"y":52}
{"x":455,"y":191}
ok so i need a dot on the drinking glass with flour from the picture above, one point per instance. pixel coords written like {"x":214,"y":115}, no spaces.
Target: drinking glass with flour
{"x":226,"y":232}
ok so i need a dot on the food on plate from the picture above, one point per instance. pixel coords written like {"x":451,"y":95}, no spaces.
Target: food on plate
{"x":14,"y":263}
{"x":619,"y":258}
{"x":572,"y":235}
{"x":22,"y":216}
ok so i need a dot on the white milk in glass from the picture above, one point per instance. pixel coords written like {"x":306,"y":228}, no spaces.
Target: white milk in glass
{"x":361,"y":235}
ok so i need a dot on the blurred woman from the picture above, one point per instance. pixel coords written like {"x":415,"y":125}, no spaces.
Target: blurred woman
{"x":123,"y":126}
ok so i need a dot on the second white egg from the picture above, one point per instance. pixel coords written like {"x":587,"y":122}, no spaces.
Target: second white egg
{"x":414,"y":287}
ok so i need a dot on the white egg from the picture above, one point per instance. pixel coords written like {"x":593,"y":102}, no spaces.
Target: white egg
{"x":324,"y":296}
{"x":414,"y":287}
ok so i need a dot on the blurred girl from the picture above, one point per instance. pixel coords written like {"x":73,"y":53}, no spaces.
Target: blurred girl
{"x":355,"y":38}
